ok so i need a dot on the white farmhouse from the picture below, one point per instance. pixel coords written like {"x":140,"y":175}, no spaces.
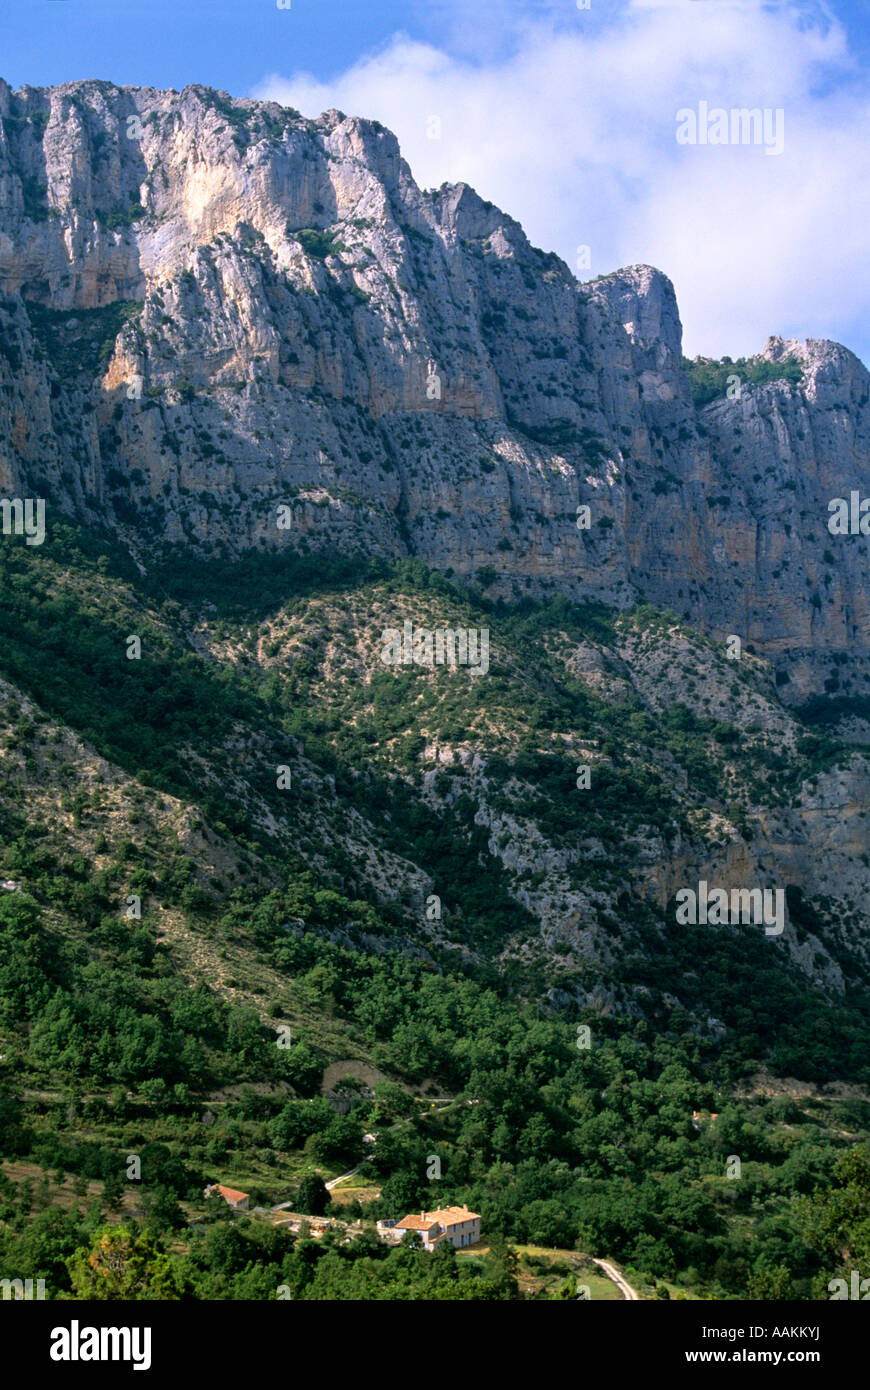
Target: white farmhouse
{"x":457,"y":1225}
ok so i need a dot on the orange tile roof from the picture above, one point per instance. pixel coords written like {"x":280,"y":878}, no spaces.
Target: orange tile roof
{"x":229,"y":1194}
{"x":415,"y":1223}
{"x":444,"y":1216}
{"x":452,"y":1216}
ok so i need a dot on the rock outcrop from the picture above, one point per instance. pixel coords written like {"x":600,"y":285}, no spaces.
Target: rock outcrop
{"x":213,"y":307}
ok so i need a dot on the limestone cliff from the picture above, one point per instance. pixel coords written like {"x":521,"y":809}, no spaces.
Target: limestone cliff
{"x":215,"y":306}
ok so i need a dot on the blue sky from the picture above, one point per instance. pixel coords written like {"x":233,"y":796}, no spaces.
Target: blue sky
{"x":565,"y":118}
{"x":233,"y":44}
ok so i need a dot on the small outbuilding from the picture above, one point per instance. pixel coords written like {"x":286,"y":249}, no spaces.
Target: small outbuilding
{"x":233,"y":1198}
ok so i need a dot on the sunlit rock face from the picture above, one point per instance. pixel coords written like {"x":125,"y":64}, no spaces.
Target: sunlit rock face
{"x":213,"y":307}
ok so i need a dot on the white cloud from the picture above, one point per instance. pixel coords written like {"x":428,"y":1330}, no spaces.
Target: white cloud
{"x":572,"y":131}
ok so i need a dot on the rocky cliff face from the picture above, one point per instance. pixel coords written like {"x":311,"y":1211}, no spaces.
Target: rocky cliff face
{"x":214,"y":307}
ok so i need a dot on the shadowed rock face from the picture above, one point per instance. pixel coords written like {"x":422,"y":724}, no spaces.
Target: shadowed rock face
{"x":304,"y":325}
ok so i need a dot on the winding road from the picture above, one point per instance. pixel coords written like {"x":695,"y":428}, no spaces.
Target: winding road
{"x":333,"y":1182}
{"x":613,"y":1273}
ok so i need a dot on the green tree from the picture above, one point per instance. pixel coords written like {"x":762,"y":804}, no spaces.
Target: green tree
{"x":501,"y":1267}
{"x":313,"y":1198}
{"x":836,"y":1223}
{"x":123,"y":1264}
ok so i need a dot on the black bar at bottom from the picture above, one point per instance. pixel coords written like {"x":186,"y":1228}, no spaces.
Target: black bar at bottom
{"x":82,"y":1339}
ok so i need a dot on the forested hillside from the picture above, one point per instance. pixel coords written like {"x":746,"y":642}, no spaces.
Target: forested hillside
{"x":284,"y":929}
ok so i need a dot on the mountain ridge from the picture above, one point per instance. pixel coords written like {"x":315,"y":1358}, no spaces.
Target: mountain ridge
{"x":405,"y":372}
